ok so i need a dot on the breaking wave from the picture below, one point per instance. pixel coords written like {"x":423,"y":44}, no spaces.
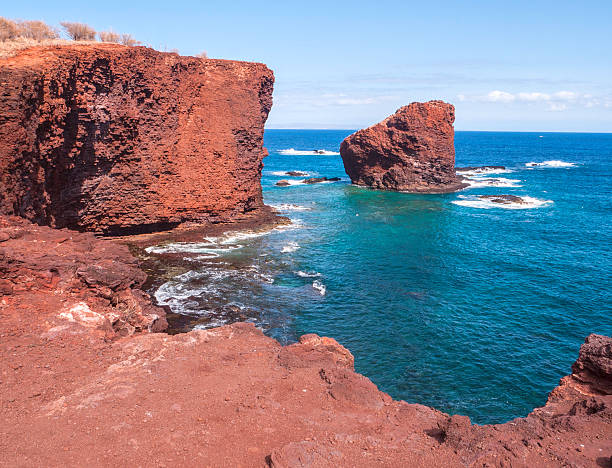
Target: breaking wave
{"x":215,"y":246}
{"x":306,"y":274}
{"x":291,"y":173}
{"x":552,"y":164}
{"x":319,"y":287}
{"x":479,"y":182}
{"x":294,"y":152}
{"x":210,"y":250}
{"x":479,"y":171}
{"x":485,"y":203}
{"x":290,"y":207}
{"x":290,"y":247}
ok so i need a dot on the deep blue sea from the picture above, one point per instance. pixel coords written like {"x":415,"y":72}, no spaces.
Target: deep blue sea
{"x":445,"y":300}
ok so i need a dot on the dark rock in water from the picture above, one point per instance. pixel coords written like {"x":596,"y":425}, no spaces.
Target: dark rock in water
{"x":310,"y":181}
{"x":296,"y":173}
{"x":505,"y":199}
{"x":480,"y":168}
{"x":317,"y":180}
{"x":410,"y":151}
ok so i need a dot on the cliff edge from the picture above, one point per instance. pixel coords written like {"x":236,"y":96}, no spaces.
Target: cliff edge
{"x":125,"y":140}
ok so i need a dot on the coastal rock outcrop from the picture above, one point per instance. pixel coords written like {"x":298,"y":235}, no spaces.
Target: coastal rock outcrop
{"x":97,"y":282}
{"x":231,"y":396}
{"x":122,"y":140}
{"x":411,"y":151}
{"x":228,"y":396}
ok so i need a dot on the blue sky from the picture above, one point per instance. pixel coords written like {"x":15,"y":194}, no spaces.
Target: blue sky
{"x":505,"y":65}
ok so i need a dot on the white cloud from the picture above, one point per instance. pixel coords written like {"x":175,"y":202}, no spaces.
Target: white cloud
{"x":558,"y":101}
{"x":557,"y":107}
{"x":567,"y":95}
{"x":499,"y":96}
{"x":533,"y":97}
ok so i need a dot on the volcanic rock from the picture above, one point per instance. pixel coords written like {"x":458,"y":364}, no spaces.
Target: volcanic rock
{"x":309,"y":181}
{"x":100,"y":278}
{"x":121,"y":140}
{"x":410,"y":151}
{"x":503,"y":199}
{"x":594,"y":364}
{"x":318,"y":180}
{"x":231,"y":396}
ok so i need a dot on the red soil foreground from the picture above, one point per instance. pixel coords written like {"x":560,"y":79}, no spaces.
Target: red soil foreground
{"x":84,"y":383}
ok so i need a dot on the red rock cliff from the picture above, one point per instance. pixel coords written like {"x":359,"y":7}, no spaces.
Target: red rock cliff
{"x":117,"y":140}
{"x":412,"y":150}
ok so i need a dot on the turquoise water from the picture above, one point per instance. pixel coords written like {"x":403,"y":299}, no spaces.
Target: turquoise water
{"x":444,"y":300}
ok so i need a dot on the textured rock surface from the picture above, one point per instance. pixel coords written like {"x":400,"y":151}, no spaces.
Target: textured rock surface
{"x":95,"y":281}
{"x":74,"y":392}
{"x":119,"y":139}
{"x":412,"y":150}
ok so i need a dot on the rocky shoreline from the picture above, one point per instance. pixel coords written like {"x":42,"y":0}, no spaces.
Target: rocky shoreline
{"x":122,"y":140}
{"x":85,"y":378}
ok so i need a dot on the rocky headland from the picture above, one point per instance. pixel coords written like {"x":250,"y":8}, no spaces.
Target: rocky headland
{"x":125,"y":140}
{"x":410,"y":151}
{"x":89,"y":378}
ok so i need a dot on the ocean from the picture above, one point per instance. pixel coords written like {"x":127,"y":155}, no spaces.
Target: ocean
{"x":451,"y":301}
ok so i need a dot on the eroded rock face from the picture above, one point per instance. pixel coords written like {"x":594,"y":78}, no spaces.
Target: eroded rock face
{"x":121,"y":140}
{"x":594,"y":364}
{"x":98,"y":280}
{"x":412,"y":150}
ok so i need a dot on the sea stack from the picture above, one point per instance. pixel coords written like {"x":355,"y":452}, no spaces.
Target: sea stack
{"x":125,"y":140}
{"x":410,"y":151}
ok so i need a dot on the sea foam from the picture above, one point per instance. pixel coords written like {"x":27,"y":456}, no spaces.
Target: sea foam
{"x":294,"y":152}
{"x":290,"y":247}
{"x":286,"y":173}
{"x":216,"y":246}
{"x":479,"y":171}
{"x":484,"y":203}
{"x":550,"y":164}
{"x":290,"y":207}
{"x":306,"y":274}
{"x":211,"y":250}
{"x":479,"y":182}
{"x":319,"y":287}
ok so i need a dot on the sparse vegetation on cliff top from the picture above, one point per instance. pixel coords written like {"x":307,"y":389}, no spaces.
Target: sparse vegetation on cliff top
{"x":17,"y":34}
{"x":79,"y":31}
